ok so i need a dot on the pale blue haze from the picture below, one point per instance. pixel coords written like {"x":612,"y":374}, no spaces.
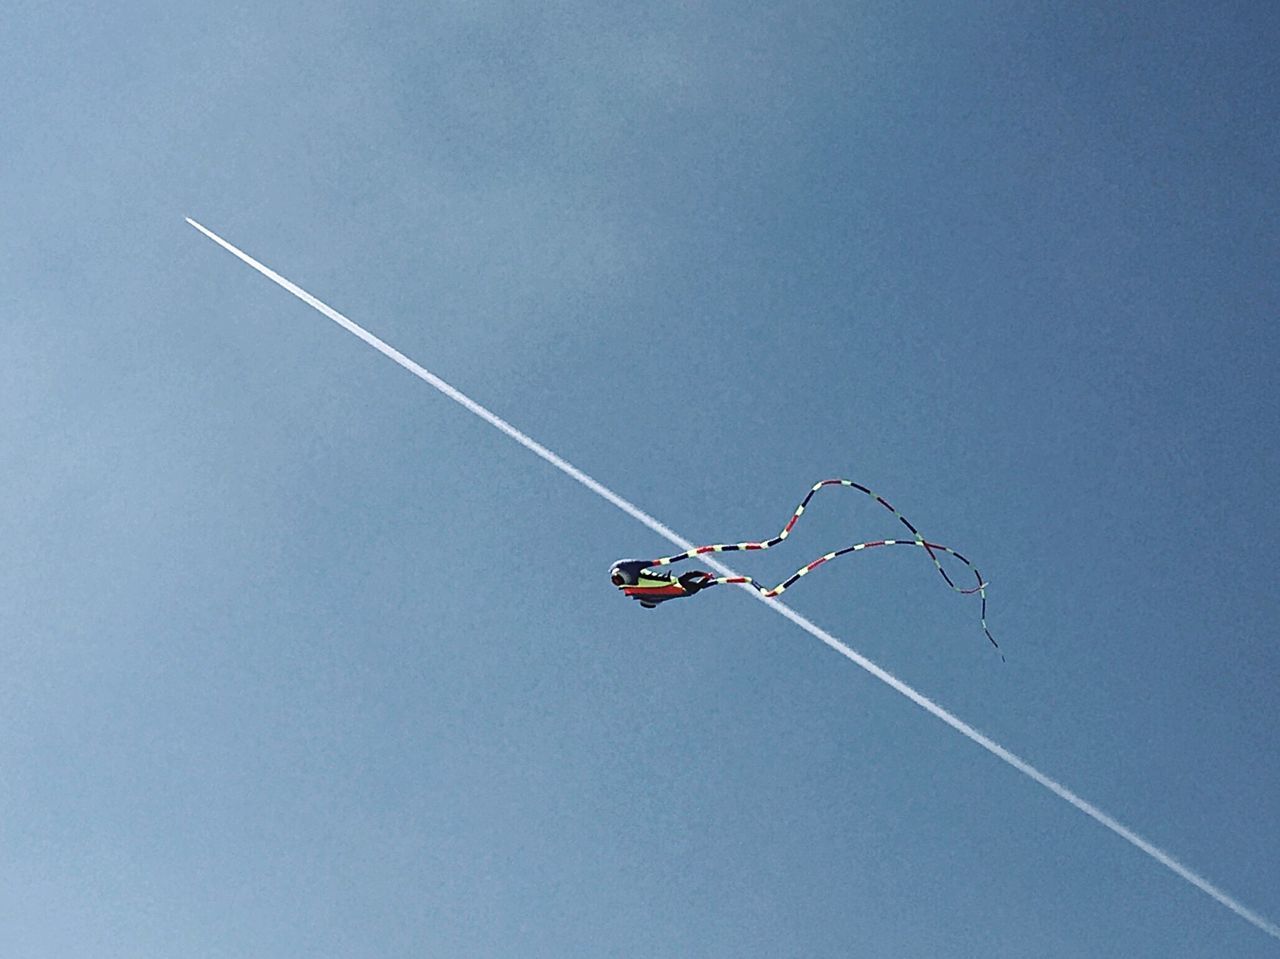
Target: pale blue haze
{"x":302,"y":660}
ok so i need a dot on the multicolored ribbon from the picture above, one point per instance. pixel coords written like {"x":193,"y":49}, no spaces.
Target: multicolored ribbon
{"x":919,"y":541}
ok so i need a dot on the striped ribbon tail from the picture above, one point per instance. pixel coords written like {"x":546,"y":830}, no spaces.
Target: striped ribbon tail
{"x":932,"y":549}
{"x":980,"y":589}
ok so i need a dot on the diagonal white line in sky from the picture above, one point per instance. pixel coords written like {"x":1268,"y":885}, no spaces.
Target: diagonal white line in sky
{"x":921,"y":700}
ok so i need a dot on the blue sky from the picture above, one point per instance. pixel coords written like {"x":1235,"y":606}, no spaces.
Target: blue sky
{"x":300,"y":659}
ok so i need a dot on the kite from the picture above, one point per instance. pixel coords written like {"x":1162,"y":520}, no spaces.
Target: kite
{"x":638,"y":579}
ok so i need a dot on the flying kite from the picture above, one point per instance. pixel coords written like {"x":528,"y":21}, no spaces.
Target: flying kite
{"x":637,"y":578}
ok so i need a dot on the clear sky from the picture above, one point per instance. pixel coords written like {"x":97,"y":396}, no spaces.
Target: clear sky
{"x":300,"y":659}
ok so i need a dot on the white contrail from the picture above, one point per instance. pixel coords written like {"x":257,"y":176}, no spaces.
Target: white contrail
{"x":924,"y":702}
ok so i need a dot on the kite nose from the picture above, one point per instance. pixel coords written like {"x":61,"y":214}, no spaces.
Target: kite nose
{"x":626,"y":572}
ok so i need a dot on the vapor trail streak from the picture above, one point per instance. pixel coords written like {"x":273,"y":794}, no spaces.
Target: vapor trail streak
{"x":924,"y":702}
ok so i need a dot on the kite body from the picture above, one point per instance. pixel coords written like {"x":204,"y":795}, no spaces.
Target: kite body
{"x":638,"y":580}
{"x":651,"y":588}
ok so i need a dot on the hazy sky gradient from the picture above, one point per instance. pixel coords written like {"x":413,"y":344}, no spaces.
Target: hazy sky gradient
{"x":302,"y":660}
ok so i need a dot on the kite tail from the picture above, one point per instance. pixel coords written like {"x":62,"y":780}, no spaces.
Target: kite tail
{"x":931,"y":548}
{"x":786,"y":531}
{"x":980,"y":589}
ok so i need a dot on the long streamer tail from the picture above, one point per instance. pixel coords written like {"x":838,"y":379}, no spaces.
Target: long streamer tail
{"x":919,"y":541}
{"x":980,"y":589}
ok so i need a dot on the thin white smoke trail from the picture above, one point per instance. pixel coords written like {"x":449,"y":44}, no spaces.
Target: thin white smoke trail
{"x":924,"y":702}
